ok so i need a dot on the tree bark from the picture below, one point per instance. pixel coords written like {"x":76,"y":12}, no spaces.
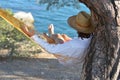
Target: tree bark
{"x":103,"y":59}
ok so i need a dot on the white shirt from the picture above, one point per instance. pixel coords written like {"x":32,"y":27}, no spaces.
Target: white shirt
{"x":67,"y":53}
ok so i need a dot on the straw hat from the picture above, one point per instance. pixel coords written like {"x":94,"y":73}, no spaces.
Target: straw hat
{"x":81,"y":22}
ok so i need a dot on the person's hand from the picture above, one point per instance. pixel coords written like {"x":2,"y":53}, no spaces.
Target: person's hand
{"x":27,"y":31}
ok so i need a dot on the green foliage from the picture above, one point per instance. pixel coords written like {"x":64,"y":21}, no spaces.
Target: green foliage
{"x":8,"y":34}
{"x":59,"y":3}
{"x":15,"y":42}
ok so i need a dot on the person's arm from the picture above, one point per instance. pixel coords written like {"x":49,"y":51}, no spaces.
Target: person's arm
{"x":27,"y":31}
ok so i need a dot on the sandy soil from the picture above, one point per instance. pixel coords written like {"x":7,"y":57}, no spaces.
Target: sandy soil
{"x":42,"y":66}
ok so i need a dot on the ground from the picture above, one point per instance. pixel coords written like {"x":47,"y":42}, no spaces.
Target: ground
{"x":43,"y":67}
{"x":28,"y":62}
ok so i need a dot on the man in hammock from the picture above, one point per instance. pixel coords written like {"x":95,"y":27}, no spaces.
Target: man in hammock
{"x":71,"y":51}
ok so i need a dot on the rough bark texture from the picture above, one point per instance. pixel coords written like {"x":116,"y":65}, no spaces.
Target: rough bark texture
{"x":103,"y":59}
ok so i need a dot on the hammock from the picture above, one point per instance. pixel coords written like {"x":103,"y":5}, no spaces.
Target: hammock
{"x":15,"y":23}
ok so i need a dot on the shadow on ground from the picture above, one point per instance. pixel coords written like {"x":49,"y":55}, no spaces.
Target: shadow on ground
{"x":23,"y":68}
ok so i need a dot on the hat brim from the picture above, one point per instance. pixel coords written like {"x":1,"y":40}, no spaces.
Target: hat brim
{"x":72,"y":22}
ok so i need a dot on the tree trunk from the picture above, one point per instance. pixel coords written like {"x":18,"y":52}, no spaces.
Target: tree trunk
{"x":103,"y":59}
